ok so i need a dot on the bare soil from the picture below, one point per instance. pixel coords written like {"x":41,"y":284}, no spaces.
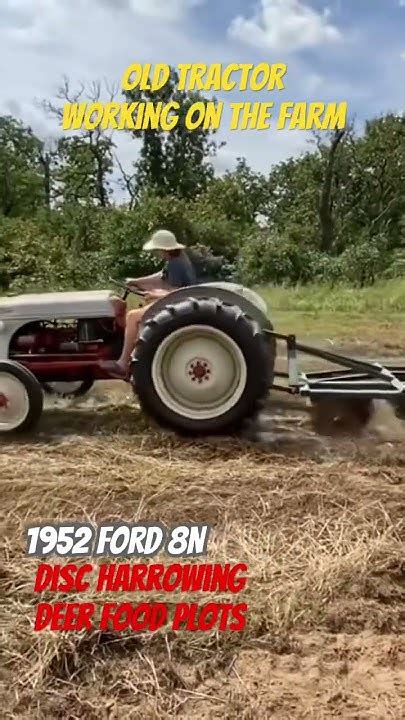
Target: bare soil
{"x":320,"y":522}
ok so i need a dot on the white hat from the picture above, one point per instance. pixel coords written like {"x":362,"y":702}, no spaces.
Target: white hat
{"x":163,"y":240}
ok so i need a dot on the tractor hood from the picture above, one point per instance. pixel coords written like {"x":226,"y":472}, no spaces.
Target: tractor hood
{"x":51,"y":306}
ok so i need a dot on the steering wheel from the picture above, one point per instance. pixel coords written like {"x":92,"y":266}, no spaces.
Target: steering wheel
{"x":128,"y":288}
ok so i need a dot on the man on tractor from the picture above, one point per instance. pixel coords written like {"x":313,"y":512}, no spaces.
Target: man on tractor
{"x":178,"y":272}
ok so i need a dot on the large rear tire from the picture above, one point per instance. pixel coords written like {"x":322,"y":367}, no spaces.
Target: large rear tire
{"x":21,"y":398}
{"x":202,"y":367}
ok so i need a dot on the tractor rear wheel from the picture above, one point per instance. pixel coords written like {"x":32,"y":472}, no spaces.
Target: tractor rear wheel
{"x":202,"y":367}
{"x":21,"y":398}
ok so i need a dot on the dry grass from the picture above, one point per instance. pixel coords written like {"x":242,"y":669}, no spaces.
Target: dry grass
{"x":321,"y":525}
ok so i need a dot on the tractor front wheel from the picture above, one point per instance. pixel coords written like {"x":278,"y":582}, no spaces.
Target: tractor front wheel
{"x":21,"y":398}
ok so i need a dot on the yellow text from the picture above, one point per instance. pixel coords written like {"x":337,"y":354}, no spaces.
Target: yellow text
{"x":312,"y":116}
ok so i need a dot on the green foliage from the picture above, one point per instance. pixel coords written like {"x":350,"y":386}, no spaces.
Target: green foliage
{"x":32,"y":257}
{"x":21,"y":181}
{"x":240,"y":195}
{"x":82,"y":169}
{"x":363,"y":263}
{"x":293,"y":196}
{"x":278,"y":259}
{"x":210,"y":227}
{"x":267,"y":257}
{"x":334,"y":215}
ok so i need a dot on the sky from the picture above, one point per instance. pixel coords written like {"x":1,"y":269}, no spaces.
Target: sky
{"x":341,"y":50}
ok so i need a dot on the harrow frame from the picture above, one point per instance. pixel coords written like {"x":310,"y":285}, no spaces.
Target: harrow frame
{"x":358,"y":379}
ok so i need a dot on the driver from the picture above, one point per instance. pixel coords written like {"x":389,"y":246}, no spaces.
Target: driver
{"x":178,"y":272}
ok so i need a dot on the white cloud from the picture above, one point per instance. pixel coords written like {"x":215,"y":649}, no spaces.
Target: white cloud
{"x":402,"y":54}
{"x":31,"y":21}
{"x":314,"y":82}
{"x":42,"y":40}
{"x":163,"y":9}
{"x":284,"y":25}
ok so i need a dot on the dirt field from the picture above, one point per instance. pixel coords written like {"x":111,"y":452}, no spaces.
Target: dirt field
{"x":319,"y":521}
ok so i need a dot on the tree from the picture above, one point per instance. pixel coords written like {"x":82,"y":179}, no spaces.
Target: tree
{"x":176,"y":162}
{"x":84,"y":162}
{"x":326,"y":198}
{"x":376,"y":185}
{"x":22,"y":189}
{"x":82,"y":169}
{"x":240,"y":194}
{"x":291,"y":203}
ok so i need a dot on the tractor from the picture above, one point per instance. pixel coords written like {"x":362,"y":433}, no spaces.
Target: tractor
{"x":204,"y":363}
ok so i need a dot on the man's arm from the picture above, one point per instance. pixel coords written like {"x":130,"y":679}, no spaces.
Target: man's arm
{"x":150,"y":282}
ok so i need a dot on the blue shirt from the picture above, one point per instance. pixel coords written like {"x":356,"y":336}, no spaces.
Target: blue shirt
{"x":179,"y":271}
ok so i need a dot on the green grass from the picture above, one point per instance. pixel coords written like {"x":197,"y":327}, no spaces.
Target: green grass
{"x":367,"y":320}
{"x":383,"y":297}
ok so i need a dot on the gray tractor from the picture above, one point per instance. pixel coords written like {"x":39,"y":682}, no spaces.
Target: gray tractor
{"x":203,"y":362}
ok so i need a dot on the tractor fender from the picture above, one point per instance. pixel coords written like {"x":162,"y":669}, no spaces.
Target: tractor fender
{"x":228,"y":293}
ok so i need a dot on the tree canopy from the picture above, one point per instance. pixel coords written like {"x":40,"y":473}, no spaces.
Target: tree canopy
{"x":337,"y":212}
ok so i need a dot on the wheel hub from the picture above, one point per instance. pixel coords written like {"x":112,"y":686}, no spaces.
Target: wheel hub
{"x":4,"y":401}
{"x":199,"y":370}
{"x":14,"y":402}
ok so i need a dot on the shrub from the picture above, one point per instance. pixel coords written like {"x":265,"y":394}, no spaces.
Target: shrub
{"x":364,"y":262}
{"x":271,"y":258}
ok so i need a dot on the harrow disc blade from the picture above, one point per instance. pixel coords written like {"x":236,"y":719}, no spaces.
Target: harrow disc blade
{"x":335,"y":416}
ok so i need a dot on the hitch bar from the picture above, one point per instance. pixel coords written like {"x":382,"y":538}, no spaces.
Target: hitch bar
{"x":359,"y":378}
